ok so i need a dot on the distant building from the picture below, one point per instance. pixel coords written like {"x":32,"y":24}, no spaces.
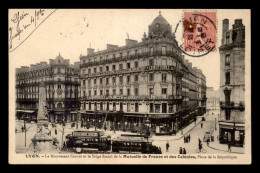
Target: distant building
{"x":212,"y":99}
{"x":62,"y":88}
{"x":201,"y":89}
{"x":232,"y":84}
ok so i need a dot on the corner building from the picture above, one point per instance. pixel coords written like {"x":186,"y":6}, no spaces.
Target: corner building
{"x":232,"y":84}
{"x":135,"y":86}
{"x":61,"y":81}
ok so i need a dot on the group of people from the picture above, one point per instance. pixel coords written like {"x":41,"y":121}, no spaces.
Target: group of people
{"x":22,"y":129}
{"x":186,"y":138}
{"x":181,"y":151}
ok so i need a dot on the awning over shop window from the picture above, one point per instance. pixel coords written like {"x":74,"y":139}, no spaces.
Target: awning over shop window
{"x":140,"y":116}
{"x":158,"y":116}
{"x":231,"y":126}
{"x":25,"y":111}
{"x":73,"y":112}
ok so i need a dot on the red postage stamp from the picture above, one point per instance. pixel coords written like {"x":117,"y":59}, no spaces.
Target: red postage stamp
{"x":200,"y":34}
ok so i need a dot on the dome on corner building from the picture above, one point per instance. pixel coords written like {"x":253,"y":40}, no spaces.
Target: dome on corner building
{"x":160,"y":27}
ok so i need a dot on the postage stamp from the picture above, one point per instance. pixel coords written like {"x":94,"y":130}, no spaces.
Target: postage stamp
{"x":200,"y":31}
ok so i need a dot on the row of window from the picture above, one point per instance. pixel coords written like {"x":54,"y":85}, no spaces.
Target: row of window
{"x":42,"y":72}
{"x":120,"y":67}
{"x":153,"y":108}
{"x":67,"y":79}
{"x":136,"y":92}
{"x":136,"y":78}
{"x":151,"y":52}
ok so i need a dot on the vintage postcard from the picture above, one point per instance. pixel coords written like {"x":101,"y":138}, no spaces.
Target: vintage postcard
{"x":129,"y":86}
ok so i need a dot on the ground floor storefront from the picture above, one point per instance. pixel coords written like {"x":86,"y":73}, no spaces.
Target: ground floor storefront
{"x":231,"y":133}
{"x":28,"y":115}
{"x":158,"y":124}
{"x":155,"y":123}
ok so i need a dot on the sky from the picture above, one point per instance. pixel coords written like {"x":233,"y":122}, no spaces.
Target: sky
{"x":70,"y":32}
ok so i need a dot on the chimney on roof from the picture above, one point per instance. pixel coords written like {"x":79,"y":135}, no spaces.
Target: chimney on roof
{"x":90,"y":51}
{"x":238,"y":23}
{"x":43,"y":63}
{"x":111,"y":47}
{"x":32,"y":65}
{"x":130,"y":42}
{"x":225,"y":28}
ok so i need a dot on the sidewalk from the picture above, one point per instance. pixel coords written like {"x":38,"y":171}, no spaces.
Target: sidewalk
{"x":224,"y":147}
{"x":179,"y":134}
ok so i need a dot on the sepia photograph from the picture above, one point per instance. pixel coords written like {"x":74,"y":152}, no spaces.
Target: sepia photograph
{"x":129,"y":86}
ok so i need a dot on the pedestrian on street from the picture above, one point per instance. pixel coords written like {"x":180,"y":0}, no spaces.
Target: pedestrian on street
{"x":184,"y":137}
{"x":22,"y":128}
{"x":229,"y":146}
{"x":200,"y":146}
{"x":56,"y":132}
{"x":180,"y":151}
{"x":167,"y":146}
{"x":208,"y":142}
{"x":184,"y":151}
{"x":201,"y":125}
{"x":189,"y":138}
{"x":64,"y":144}
{"x":199,"y":141}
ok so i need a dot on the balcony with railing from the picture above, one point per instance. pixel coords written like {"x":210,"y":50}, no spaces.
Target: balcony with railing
{"x":232,"y":105}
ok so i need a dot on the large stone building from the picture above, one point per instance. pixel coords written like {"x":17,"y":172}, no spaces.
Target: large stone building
{"x":212,"y":99}
{"x":232,"y":83}
{"x":139,"y":84}
{"x":62,"y":87}
{"x":201,"y":88}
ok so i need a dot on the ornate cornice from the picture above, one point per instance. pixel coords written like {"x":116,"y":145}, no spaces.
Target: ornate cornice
{"x":232,"y":46}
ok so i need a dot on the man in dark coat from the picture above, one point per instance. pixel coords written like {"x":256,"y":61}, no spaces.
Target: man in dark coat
{"x":184,"y":151}
{"x":167,"y":146}
{"x":229,"y":146}
{"x":180,"y":151}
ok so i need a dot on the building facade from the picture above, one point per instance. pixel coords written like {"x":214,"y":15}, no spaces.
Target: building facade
{"x":232,"y":84}
{"x":201,"y":89}
{"x":212,"y":99}
{"x":137,"y":85}
{"x":62,"y":89}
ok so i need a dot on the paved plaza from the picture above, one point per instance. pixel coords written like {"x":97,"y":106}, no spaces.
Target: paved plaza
{"x":175,"y":141}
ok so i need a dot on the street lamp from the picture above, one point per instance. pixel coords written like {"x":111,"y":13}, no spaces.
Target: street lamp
{"x":95,"y":109}
{"x":24,"y":121}
{"x":215,"y":123}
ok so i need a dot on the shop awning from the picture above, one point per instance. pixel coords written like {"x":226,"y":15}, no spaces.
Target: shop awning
{"x":25,"y":111}
{"x":232,"y":124}
{"x":158,"y":116}
{"x":130,"y":115}
{"x":186,"y":116}
{"x":73,"y":112}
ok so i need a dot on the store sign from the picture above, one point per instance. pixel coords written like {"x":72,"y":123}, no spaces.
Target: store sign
{"x":78,"y":134}
{"x":231,"y":127}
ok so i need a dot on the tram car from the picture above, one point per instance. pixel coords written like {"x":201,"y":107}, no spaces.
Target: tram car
{"x":88,"y":140}
{"x":134,"y":144}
